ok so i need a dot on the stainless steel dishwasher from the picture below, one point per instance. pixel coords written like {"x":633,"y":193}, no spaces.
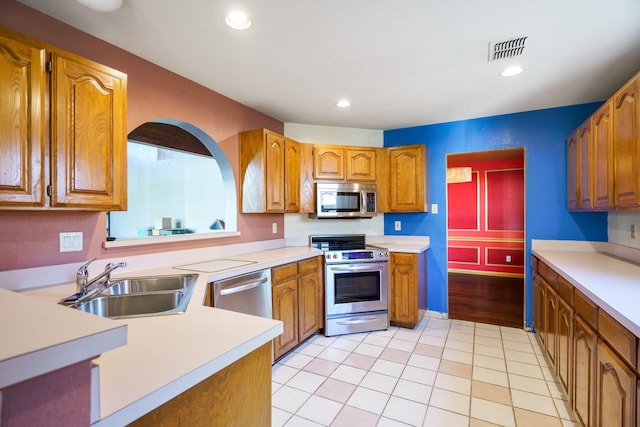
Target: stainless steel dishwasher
{"x":249,"y":293}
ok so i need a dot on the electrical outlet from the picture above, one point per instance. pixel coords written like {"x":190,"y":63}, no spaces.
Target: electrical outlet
{"x":434,"y":208}
{"x":398,"y":225}
{"x":634,"y":231}
{"x":274,"y":227}
{"x":508,"y":258}
{"x":71,"y":242}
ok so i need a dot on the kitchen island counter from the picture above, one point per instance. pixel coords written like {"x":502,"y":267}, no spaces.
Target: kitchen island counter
{"x":166,"y":355}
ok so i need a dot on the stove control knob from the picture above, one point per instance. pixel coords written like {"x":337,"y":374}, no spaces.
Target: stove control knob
{"x":335,"y":256}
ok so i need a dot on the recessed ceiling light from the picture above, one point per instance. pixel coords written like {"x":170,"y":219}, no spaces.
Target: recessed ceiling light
{"x":238,"y":20}
{"x":101,"y":5}
{"x":343,"y":103}
{"x":512,"y":71}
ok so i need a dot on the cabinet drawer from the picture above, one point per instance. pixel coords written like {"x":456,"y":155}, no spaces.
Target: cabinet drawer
{"x":308,"y":265}
{"x":284,"y":272}
{"x":565,"y":290}
{"x":618,"y":337}
{"x":547,"y":272}
{"x":586,"y":309}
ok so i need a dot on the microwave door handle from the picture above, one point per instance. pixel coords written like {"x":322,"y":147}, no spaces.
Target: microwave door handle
{"x":243,"y":286}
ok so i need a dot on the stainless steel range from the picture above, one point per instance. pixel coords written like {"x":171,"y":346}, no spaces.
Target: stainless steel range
{"x":356,"y":284}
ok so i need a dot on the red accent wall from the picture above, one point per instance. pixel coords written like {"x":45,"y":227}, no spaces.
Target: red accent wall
{"x":30,"y":239}
{"x":485,"y":218}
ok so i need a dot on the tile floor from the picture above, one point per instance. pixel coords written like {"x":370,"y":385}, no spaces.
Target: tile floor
{"x":441,"y":373}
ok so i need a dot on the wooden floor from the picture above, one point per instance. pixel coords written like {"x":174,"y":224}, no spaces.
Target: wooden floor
{"x":487,"y":299}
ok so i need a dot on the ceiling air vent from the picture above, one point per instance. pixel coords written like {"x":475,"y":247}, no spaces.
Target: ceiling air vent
{"x":506,"y":48}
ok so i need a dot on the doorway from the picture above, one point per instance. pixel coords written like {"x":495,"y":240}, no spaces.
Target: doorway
{"x":485,"y":236}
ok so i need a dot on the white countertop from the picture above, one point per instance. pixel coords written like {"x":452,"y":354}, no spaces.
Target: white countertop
{"x":410,"y":244}
{"x":166,"y":355}
{"x":610,"y":282}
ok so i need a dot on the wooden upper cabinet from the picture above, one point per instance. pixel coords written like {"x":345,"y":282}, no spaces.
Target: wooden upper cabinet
{"x":291,"y":175}
{"x":88,"y":135}
{"x":626,"y":145}
{"x":586,"y":166}
{"x":307,"y":191}
{"x":328,"y":162}
{"x":407,"y":179}
{"x":573,"y":170}
{"x":81,"y":107}
{"x":22,"y":123}
{"x":262,"y":168}
{"x":361,"y":164}
{"x":602,"y":144}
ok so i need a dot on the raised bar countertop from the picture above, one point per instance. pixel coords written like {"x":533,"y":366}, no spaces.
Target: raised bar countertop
{"x":166,"y":355}
{"x":600,"y":272}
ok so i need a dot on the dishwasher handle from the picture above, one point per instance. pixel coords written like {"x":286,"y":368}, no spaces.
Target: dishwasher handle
{"x":243,"y":286}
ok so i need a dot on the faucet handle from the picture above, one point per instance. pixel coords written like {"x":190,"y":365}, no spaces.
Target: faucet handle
{"x":84,"y":268}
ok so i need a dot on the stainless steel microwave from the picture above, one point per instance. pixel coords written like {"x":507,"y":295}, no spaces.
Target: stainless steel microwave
{"x":345,"y":200}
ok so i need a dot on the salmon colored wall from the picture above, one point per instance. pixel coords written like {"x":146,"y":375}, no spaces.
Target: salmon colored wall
{"x":30,"y":239}
{"x":486,"y":218}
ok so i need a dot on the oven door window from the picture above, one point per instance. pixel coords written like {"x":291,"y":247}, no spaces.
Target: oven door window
{"x":357,"y":287}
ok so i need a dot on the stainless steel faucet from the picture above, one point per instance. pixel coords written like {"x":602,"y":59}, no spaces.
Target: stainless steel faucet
{"x":82,"y":276}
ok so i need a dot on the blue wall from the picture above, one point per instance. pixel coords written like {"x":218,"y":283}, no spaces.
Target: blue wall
{"x":543,"y":135}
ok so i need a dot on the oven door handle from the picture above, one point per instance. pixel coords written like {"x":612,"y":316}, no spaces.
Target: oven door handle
{"x":358,"y":321}
{"x":358,"y":267}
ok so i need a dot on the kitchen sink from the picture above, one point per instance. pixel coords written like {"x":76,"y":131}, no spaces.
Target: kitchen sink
{"x":135,"y":285}
{"x":141,"y":296}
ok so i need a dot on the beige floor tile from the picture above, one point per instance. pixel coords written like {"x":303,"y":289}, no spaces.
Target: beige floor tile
{"x":493,"y":412}
{"x":490,"y":376}
{"x":424,"y":362}
{"x":474,"y":422}
{"x":432,"y":340}
{"x":339,"y":391}
{"x":296,"y":360}
{"x":461,"y":336}
{"x":534,"y":402}
{"x":524,"y":369}
{"x":406,"y":411}
{"x":350,"y":416}
{"x":408,"y":335}
{"x":489,"y":362}
{"x":453,"y":383}
{"x":450,"y":401}
{"x":344,"y":344}
{"x":487,"y":326}
{"x":487,"y":350}
{"x":564,"y":409}
{"x":455,"y":368}
{"x":348,"y":374}
{"x":368,"y":350}
{"x":441,"y":333}
{"x":333,"y":354}
{"x":413,"y":391}
{"x":519,"y":356}
{"x":306,"y":381}
{"x":419,"y":375}
{"x":516,"y":345}
{"x":321,"y":367}
{"x":488,"y":341}
{"x":279,"y":417}
{"x":428,"y":350}
{"x":359,"y":361}
{"x":529,"y":418}
{"x":492,"y":392}
{"x":378,"y":340}
{"x":369,"y":400}
{"x":401,"y":345}
{"x":379,"y":382}
{"x":457,"y":356}
{"x":532,"y":385}
{"x":320,"y":410}
{"x":441,"y":417}
{"x":393,"y":369}
{"x":394,"y":355}
{"x":488,"y":333}
{"x":459,"y":345}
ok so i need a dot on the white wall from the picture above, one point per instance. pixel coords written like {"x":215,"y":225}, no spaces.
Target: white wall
{"x":299,"y":225}
{"x":619,"y":228}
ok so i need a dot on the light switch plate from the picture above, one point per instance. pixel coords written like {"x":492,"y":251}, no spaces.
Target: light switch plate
{"x":434,"y":208}
{"x":398,"y":225}
{"x":274,"y":227}
{"x":71,"y":242}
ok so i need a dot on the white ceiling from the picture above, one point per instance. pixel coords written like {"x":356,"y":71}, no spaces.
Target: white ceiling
{"x":400,"y":62}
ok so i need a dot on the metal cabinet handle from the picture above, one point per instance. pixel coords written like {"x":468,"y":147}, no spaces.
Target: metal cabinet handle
{"x":243,"y":286}
{"x":360,"y":320}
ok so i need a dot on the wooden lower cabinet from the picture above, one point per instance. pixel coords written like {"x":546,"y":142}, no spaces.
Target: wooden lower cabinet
{"x":617,"y":383}
{"x":551,"y":321}
{"x":403,"y":289}
{"x":583,"y":390}
{"x":297,"y":297}
{"x":221,"y":400}
{"x":539,"y":298}
{"x":564,"y":355}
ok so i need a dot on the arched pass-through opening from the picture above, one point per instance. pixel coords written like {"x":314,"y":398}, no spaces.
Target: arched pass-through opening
{"x":195,"y":146}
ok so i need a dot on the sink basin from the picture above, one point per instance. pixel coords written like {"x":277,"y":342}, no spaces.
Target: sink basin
{"x":136,"y":305}
{"x":142,"y":296}
{"x":134,"y":285}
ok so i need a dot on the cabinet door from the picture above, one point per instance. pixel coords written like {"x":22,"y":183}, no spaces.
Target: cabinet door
{"x":551,"y":322}
{"x":616,"y":390}
{"x":307,"y":190}
{"x":308,"y":304}
{"x":403,"y":289}
{"x":584,"y":372}
{"x":573,"y":171}
{"x":285,"y":308}
{"x":361,"y":165}
{"x":564,"y":359}
{"x":328,"y":162}
{"x":292,"y":175}
{"x":406,"y":166}
{"x":602,"y":143}
{"x":22,"y":123}
{"x":539,"y":298}
{"x":88,"y":135}
{"x":626,"y":145}
{"x":586,"y":175}
{"x":274,"y":170}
